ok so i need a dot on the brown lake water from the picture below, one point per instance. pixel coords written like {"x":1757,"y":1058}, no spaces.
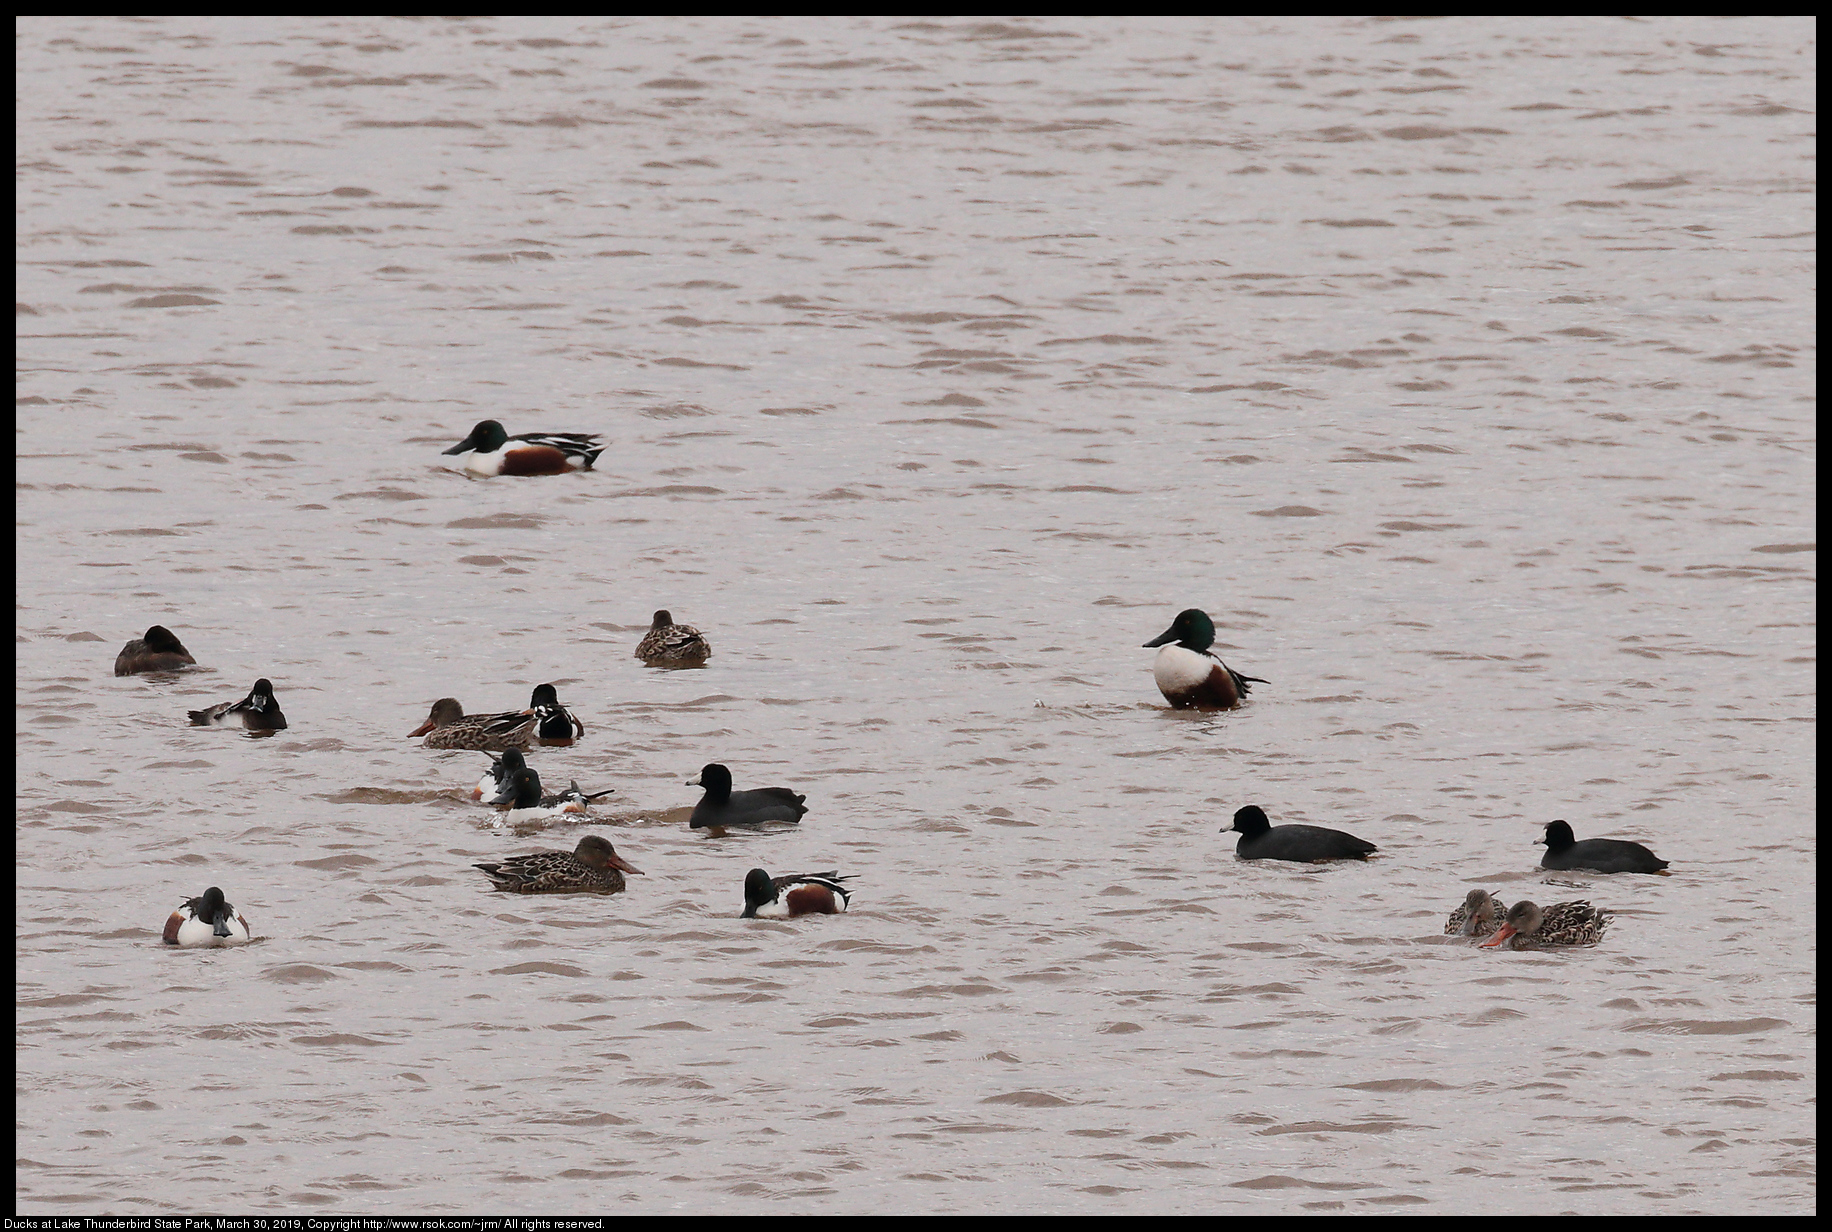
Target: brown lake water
{"x":1461,"y":369}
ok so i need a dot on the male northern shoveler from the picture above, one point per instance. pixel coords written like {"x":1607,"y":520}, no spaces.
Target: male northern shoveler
{"x":494,"y":452}
{"x":1528,"y":926}
{"x":1188,"y":673}
{"x":448,"y":727}
{"x":1480,"y":915}
{"x":782,"y":898}
{"x":1599,"y":855}
{"x":670,"y":645}
{"x":721,"y":806}
{"x":206,"y":920}
{"x":498,"y":774}
{"x":522,"y":793}
{"x":593,"y":867}
{"x":258,"y":712}
{"x":1261,"y":840}
{"x":554,"y":721}
{"x":159,"y":651}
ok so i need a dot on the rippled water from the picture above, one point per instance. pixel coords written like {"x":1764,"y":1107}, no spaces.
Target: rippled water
{"x":1461,"y":369}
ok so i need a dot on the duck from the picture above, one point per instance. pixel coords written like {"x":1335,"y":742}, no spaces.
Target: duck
{"x":1187,"y":671}
{"x":784,"y":898}
{"x":258,"y":712}
{"x":721,"y":806}
{"x":206,"y":920}
{"x":1599,"y":855}
{"x":553,"y":721}
{"x":447,"y":726}
{"x":1528,"y":925}
{"x":159,"y":651}
{"x":670,"y":645}
{"x":494,"y":452}
{"x":1480,"y":915}
{"x":593,"y":867}
{"x":1261,"y":840}
{"x":498,"y":774}
{"x":521,"y":791}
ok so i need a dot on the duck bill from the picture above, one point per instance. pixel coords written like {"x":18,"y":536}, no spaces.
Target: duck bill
{"x":694,"y":782}
{"x":463,"y":446}
{"x":1169,"y":635}
{"x":222,"y":923}
{"x":1501,"y":935}
{"x":421,"y":730}
{"x":618,"y":861}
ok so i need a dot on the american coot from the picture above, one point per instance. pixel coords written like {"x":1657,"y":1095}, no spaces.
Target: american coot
{"x":258,"y":712}
{"x":1529,"y":925}
{"x":782,"y":898}
{"x":593,"y":867}
{"x":552,"y":720}
{"x":494,"y":452}
{"x":449,"y":727}
{"x":1261,"y":840}
{"x":721,"y":806}
{"x":206,"y":920}
{"x":1479,"y":916}
{"x":670,"y":645}
{"x":159,"y":651}
{"x":1188,"y":674}
{"x":1599,"y":855}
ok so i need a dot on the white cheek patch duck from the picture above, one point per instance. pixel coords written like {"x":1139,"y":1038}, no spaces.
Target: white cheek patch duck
{"x":1188,"y":673}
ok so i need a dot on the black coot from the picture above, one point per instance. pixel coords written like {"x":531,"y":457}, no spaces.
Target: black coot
{"x":1261,"y":840}
{"x":1599,"y":855}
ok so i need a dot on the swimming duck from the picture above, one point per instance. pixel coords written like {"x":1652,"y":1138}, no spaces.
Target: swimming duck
{"x":258,"y":712}
{"x":1560,"y":924}
{"x":1188,"y":673}
{"x":670,"y":645}
{"x":721,"y":806}
{"x":783,"y":898}
{"x":553,"y":721}
{"x":206,"y":920}
{"x":1261,"y":840}
{"x":498,"y":774}
{"x":1599,"y":855}
{"x":448,"y":727}
{"x":521,"y":791}
{"x":1479,"y":916}
{"x":593,"y":867}
{"x":158,"y":651}
{"x":494,"y":452}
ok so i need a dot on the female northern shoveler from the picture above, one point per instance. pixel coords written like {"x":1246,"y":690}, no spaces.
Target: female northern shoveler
{"x":494,"y":452}
{"x":258,"y":712}
{"x":448,"y":727}
{"x":670,"y":645}
{"x":1479,"y":916}
{"x":158,"y":651}
{"x":554,"y":721}
{"x":522,"y":793}
{"x":1560,"y":924}
{"x":782,"y":898}
{"x":590,"y":868}
{"x":1599,"y":855}
{"x":1188,"y":673}
{"x":1261,"y":840}
{"x":206,"y":920}
{"x":721,"y":806}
